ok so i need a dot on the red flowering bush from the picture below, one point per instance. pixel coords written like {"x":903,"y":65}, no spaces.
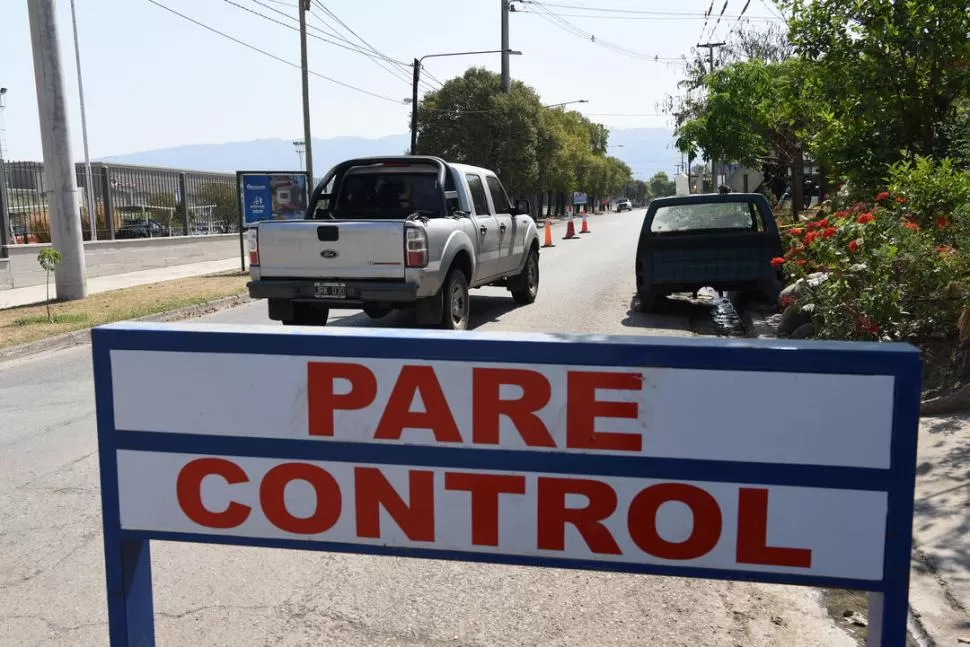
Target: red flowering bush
{"x":891,"y":271}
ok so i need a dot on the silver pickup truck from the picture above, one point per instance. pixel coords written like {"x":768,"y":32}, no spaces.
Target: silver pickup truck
{"x":387,"y":233}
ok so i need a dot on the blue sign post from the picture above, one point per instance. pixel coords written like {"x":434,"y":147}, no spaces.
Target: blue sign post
{"x":525,"y":449}
{"x":269,"y":195}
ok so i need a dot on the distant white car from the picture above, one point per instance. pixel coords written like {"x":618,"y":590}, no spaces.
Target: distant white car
{"x":624,"y":204}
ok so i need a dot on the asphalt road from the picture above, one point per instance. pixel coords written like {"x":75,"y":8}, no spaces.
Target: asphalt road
{"x":51,"y":562}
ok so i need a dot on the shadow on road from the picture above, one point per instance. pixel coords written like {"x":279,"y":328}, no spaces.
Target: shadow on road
{"x":484,"y":309}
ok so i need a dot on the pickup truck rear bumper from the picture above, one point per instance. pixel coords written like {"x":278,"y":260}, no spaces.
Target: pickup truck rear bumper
{"x":358,"y":292}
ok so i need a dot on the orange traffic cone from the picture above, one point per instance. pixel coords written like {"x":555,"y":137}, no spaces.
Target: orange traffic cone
{"x":548,"y":242}
{"x":585,"y":229}
{"x":570,"y":230}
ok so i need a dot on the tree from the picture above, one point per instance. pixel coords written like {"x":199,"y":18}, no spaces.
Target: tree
{"x":470,"y":120}
{"x":757,"y":113}
{"x":222,"y":198}
{"x":891,"y":75}
{"x":661,"y":185}
{"x":535,"y":150}
{"x":48,"y":259}
{"x":165,"y":207}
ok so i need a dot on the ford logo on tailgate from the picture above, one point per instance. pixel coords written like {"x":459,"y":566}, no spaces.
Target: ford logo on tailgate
{"x":329,"y":253}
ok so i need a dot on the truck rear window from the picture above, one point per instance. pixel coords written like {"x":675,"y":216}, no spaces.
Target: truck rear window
{"x":704,"y":217}
{"x":388,"y":196}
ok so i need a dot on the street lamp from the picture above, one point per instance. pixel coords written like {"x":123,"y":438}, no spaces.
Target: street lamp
{"x":417,"y":78}
{"x":300,"y":146}
{"x":566,"y":103}
{"x":88,"y":182}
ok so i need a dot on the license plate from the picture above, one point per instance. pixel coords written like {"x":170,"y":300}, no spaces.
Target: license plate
{"x":330,"y":290}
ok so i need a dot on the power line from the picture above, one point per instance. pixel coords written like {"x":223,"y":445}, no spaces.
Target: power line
{"x":721,"y":15}
{"x":322,"y":6}
{"x":625,"y":114}
{"x":772,"y":10}
{"x":352,"y":46}
{"x":349,"y":45}
{"x":698,"y":17}
{"x":399,"y":68}
{"x":562,"y":23}
{"x":296,"y":29}
{"x":629,"y":12}
{"x":707,"y":18}
{"x":273,"y":56}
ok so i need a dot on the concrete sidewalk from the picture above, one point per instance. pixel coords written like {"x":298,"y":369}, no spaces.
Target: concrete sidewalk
{"x":940,"y":574}
{"x":37,"y":293}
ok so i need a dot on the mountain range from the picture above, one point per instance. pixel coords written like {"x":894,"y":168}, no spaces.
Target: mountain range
{"x":646,"y":150}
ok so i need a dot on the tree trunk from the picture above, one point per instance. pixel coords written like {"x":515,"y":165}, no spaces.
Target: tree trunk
{"x":823,"y":182}
{"x":797,"y":183}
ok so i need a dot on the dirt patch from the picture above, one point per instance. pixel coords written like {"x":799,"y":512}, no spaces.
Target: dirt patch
{"x":946,"y":366}
{"x":29,"y":323}
{"x":850,"y":611}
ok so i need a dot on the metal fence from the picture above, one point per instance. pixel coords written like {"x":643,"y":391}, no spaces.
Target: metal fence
{"x":129,"y":202}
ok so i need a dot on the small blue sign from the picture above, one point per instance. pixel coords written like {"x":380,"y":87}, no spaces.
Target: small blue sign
{"x":579,"y":197}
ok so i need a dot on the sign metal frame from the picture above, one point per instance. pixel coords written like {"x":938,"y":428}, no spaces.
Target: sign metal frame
{"x":127,"y":552}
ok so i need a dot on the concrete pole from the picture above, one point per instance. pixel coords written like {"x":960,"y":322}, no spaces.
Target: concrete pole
{"x":62,"y":206}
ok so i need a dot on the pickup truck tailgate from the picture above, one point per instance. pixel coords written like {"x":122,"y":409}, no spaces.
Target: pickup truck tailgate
{"x":370,"y":249}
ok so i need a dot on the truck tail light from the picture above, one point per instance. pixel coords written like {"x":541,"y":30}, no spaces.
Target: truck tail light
{"x":415,"y":247}
{"x":252,"y":242}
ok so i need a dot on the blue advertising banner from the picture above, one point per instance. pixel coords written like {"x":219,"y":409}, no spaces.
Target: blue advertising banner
{"x":269,"y":195}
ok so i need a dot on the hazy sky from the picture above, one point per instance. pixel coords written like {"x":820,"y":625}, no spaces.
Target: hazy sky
{"x":153,"y":79}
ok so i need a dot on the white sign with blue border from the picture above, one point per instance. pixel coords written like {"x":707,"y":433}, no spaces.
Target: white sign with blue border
{"x":660,"y":456}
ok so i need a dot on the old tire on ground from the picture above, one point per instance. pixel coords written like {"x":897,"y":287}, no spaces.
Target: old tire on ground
{"x":305,"y":314}
{"x":647,"y":302}
{"x":525,"y":285}
{"x":455,"y":302}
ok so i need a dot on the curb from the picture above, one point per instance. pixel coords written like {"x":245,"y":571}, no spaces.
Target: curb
{"x":82,"y":337}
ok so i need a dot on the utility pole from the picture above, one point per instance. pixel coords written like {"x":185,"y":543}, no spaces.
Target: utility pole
{"x":710,"y":47}
{"x":88,"y":182}
{"x":308,"y":143}
{"x":62,"y":208}
{"x":416,"y":78}
{"x":506,"y":78}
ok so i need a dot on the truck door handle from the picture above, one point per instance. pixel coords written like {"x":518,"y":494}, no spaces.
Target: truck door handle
{"x":483,"y":229}
{"x":502,"y":227}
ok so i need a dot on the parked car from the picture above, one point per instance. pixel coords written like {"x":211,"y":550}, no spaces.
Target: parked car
{"x":387,"y":233}
{"x":721,"y":241}
{"x":143,"y":229}
{"x":624,"y":204}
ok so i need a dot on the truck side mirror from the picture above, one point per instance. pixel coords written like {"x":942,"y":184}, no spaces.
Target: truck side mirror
{"x":523,"y":208}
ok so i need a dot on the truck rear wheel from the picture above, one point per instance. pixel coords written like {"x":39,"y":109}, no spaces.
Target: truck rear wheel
{"x":376,"y":310}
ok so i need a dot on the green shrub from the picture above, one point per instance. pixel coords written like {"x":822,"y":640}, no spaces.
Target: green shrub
{"x":932,"y":189}
{"x":892,"y":273}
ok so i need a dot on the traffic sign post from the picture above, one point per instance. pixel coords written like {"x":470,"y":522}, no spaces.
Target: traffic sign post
{"x":580,"y":452}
